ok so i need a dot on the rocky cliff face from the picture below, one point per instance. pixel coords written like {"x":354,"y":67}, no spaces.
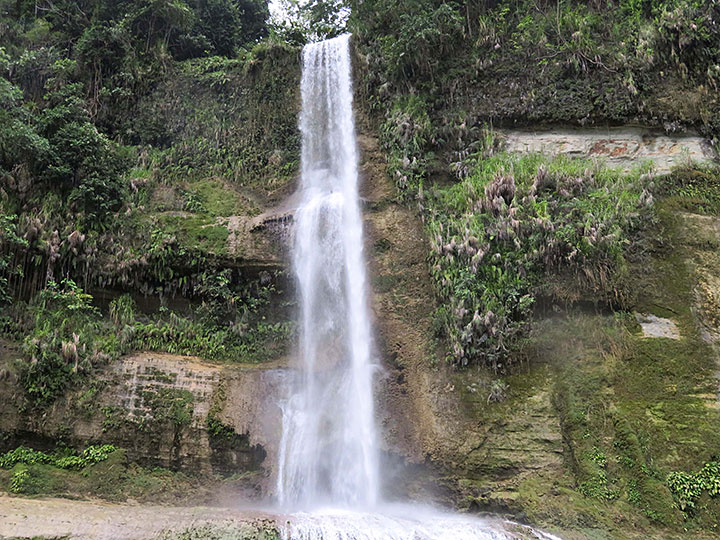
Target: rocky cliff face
{"x":171,"y":411}
{"x":473,"y":439}
{"x":594,"y":402}
{"x":465,"y":438}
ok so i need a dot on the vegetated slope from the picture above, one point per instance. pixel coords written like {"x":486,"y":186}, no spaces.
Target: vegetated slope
{"x":139,"y":143}
{"x":565,"y":417}
{"x":553,"y":413}
{"x":133,"y":161}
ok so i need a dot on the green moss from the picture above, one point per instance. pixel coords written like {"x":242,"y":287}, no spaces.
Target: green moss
{"x":634,"y":410}
{"x":693,"y":189}
{"x":38,"y":479}
{"x":218,"y":199}
{"x":160,"y":376}
{"x":169,"y":405}
{"x":196,"y":233}
{"x":112,"y":478}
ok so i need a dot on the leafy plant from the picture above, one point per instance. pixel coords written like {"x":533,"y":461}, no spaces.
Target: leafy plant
{"x":513,"y":220}
{"x":28,"y":456}
{"x":688,"y":487}
{"x":11,"y":243}
{"x":66,"y":341}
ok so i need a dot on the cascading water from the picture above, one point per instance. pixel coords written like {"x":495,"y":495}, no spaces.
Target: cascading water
{"x":327,"y":453}
{"x":328,"y":471}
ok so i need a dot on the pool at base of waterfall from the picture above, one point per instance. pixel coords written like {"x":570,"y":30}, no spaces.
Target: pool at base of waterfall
{"x":402,"y":522}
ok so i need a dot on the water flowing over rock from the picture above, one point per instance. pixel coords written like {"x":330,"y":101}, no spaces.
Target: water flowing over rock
{"x":328,"y":451}
{"x":328,"y":464}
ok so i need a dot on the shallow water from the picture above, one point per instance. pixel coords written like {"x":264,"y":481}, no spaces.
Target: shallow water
{"x":402,"y":522}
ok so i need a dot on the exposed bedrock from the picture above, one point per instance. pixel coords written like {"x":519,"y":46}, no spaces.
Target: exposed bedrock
{"x":442,"y":438}
{"x":624,"y":147}
{"x":166,"y":410}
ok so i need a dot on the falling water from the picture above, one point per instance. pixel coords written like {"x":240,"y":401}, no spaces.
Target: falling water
{"x":327,"y":452}
{"x":328,"y":472}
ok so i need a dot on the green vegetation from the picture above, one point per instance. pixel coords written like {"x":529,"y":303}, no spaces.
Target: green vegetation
{"x":526,"y":61}
{"x":635,"y":413}
{"x":68,"y":337}
{"x":136,"y":140}
{"x":228,"y":325}
{"x":300,"y":21}
{"x":139,"y":141}
{"x":688,"y":487}
{"x":694,"y":189}
{"x":25,"y":464}
{"x":11,"y":242}
{"x":638,"y":413}
{"x":98,"y":471}
{"x":65,"y":343}
{"x":499,"y":235}
{"x":62,"y":460}
{"x":169,"y":405}
{"x":436,"y":74}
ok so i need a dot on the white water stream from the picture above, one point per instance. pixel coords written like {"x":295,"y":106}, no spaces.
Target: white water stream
{"x":328,"y":470}
{"x":328,"y":451}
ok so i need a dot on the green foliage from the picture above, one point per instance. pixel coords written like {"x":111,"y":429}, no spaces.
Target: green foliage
{"x":69,"y":337}
{"x":519,"y":62}
{"x":688,"y":37}
{"x":406,"y":134}
{"x":694,"y":188}
{"x":688,"y":487}
{"x":225,"y":118}
{"x":235,"y":343}
{"x":422,"y":35}
{"x":99,"y":471}
{"x":60,"y":147}
{"x":19,"y":480}
{"x":81,"y":80}
{"x":27,"y":456}
{"x":136,"y":28}
{"x":12,"y":242}
{"x":65,"y":342}
{"x":171,"y":405}
{"x":513,"y":220}
{"x":23,"y":455}
{"x":216,"y":428}
{"x":122,"y":311}
{"x":228,"y":324}
{"x":300,"y":21}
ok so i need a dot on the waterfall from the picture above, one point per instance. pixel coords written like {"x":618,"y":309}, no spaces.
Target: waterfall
{"x":328,"y":452}
{"x":328,"y":472}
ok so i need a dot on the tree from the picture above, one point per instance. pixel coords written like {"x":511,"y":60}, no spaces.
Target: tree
{"x":300,"y":21}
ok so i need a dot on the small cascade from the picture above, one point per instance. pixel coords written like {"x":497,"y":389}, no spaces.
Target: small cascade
{"x":328,"y":470}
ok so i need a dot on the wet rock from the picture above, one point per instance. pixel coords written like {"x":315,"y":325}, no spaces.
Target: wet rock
{"x":159,"y":408}
{"x":81,"y":520}
{"x":657,"y":327}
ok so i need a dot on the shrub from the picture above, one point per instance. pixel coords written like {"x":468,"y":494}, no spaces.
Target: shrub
{"x":27,"y":456}
{"x":65,"y":342}
{"x":495,"y":234}
{"x":688,"y":487}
